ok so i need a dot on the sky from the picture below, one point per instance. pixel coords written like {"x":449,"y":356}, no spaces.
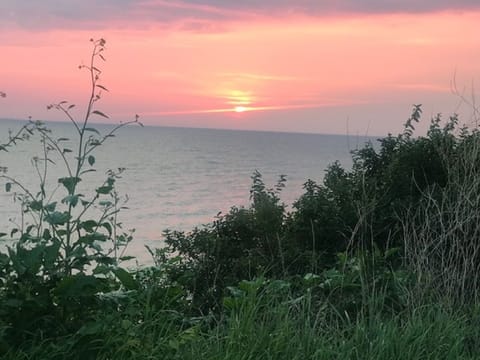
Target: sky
{"x":318,"y":66}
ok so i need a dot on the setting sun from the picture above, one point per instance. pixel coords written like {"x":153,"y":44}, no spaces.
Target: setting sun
{"x":240,"y":109}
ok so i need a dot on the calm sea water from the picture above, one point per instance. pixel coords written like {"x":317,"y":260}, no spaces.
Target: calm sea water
{"x":179,"y":178}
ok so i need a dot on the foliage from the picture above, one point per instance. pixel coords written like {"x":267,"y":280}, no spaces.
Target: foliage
{"x":359,"y":210}
{"x":69,"y":244}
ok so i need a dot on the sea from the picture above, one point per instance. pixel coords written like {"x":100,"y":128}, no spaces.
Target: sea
{"x":174,"y":178}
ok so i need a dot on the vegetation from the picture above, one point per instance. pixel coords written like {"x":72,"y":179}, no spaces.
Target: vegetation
{"x":379,"y":261}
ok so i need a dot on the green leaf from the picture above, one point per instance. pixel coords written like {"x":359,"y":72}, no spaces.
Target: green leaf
{"x":8,"y":187}
{"x":61,"y":232}
{"x":51,"y":207}
{"x":70,"y":199}
{"x":46,"y":234}
{"x":69,"y":183}
{"x":78,"y":285}
{"x":97,"y":112}
{"x":126,"y":279}
{"x":36,"y":205}
{"x":104,"y":189}
{"x":108,"y":227}
{"x":126,"y":258}
{"x":51,"y":254}
{"x":92,"y":328}
{"x":91,"y":160}
{"x":88,"y":225}
{"x":57,"y":218}
{"x":89,"y":239}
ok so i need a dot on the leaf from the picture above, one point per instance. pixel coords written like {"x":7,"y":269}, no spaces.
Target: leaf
{"x":46,"y":234}
{"x":8,"y":187}
{"x":70,"y":199}
{"x":102,"y":87}
{"x":36,"y":205}
{"x":67,"y":151}
{"x":62,"y":139}
{"x":126,"y":258}
{"x":57,"y":218}
{"x":104,"y":189}
{"x":71,"y":106}
{"x":2,"y":234}
{"x":89,"y":239}
{"x":77,"y":285}
{"x":97,"y":112}
{"x":69,"y":183}
{"x":108,"y":227}
{"x":126,"y":279}
{"x":92,"y":328}
{"x":91,"y":160}
{"x":51,"y":207}
{"x":51,"y":255}
{"x":88,"y":225}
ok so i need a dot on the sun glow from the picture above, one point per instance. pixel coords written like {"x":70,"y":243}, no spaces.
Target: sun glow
{"x":240,"y":109}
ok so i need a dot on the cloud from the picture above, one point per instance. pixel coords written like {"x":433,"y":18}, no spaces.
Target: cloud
{"x":194,"y":15}
{"x":342,"y":6}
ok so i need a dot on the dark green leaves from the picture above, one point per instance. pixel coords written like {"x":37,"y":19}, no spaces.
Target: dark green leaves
{"x":70,"y":183}
{"x":88,"y":225}
{"x":51,"y":207}
{"x":57,"y":218}
{"x":77,"y":286}
{"x":71,"y":200}
{"x":8,"y":187}
{"x":91,"y":160}
{"x":36,"y":205}
{"x":125,"y":278}
{"x":104,"y":189}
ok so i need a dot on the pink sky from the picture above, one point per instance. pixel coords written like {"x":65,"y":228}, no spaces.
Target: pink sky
{"x":340,"y":68}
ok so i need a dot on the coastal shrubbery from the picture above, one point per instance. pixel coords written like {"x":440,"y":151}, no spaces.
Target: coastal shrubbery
{"x":377,"y":261}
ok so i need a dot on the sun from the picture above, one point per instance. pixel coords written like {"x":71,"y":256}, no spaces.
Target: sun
{"x":240,"y":109}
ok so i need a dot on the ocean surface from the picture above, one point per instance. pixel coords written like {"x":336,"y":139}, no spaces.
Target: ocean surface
{"x":179,"y":178}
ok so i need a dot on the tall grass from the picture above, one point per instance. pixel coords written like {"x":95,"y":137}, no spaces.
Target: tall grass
{"x":442,"y":233}
{"x":291,"y":332}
